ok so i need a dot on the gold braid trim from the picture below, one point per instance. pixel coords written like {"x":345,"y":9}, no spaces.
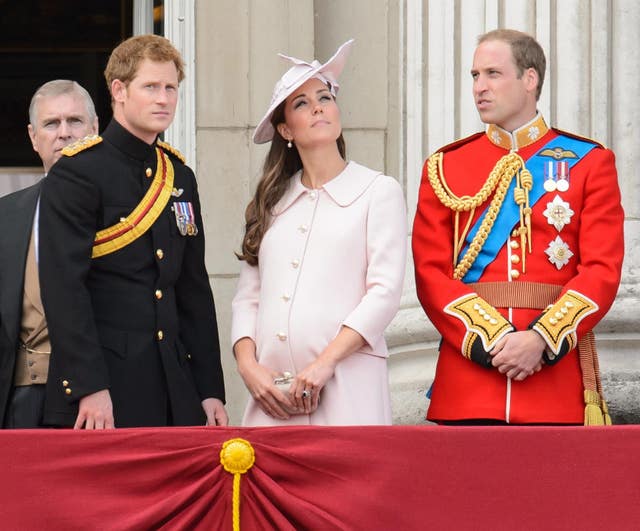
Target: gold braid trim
{"x":499,"y":180}
{"x":115,"y":237}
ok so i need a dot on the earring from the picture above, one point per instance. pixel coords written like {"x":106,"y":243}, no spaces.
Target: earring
{"x":289,"y":144}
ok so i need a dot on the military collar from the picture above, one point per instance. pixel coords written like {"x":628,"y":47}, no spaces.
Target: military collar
{"x":344,"y":189}
{"x":130,"y":144}
{"x":521,"y":137}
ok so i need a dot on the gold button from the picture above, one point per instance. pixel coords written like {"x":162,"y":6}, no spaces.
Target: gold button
{"x":160,"y":254}
{"x":553,"y":321}
{"x":295,"y":263}
{"x":158,"y":294}
{"x":68,"y":390}
{"x":160,"y":335}
{"x":282,"y":336}
{"x":514,"y":273}
{"x":514,"y":233}
{"x":188,"y":356}
{"x":65,"y":383}
{"x":559,"y":315}
{"x":148,"y":172}
{"x":514,"y":244}
{"x":515,"y":259}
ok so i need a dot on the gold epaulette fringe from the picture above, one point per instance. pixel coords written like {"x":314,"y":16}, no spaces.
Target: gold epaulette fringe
{"x":80,"y":145}
{"x":170,"y":149}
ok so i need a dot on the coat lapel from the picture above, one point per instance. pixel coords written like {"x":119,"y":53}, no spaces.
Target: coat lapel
{"x":16,"y":223}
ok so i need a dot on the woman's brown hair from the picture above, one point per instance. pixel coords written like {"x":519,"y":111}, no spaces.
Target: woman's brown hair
{"x":279,"y":166}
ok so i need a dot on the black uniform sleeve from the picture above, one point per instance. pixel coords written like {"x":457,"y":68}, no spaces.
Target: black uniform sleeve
{"x":69,"y":207}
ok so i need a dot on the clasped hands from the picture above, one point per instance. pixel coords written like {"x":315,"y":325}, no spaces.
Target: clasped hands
{"x":302,"y":396}
{"x":518,"y":355}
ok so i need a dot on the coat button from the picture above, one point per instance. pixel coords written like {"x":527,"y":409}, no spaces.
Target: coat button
{"x":312,"y":195}
{"x":160,"y":335}
{"x":148,"y":172}
{"x":295,"y":263}
{"x":65,"y":383}
{"x":514,"y":244}
{"x":286,"y":298}
{"x":303,"y":228}
{"x":281,"y":336}
{"x":515,"y":259}
{"x":158,"y":294}
{"x":68,"y":390}
{"x":514,"y":273}
{"x":160,"y":254}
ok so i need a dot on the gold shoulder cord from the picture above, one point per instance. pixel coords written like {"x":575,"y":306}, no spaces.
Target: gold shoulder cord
{"x":499,"y":180}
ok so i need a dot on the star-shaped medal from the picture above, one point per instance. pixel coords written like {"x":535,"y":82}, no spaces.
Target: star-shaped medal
{"x":558,"y":253}
{"x":558,"y":213}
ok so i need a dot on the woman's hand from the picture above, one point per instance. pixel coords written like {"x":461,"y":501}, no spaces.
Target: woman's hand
{"x":259,"y":382}
{"x":308,"y":383}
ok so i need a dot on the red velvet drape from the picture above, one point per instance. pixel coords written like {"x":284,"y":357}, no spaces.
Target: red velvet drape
{"x":314,"y":478}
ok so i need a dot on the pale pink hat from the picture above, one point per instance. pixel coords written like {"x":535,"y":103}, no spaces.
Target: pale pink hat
{"x":297,"y":75}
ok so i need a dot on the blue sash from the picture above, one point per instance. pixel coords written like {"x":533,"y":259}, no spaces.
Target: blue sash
{"x":509,"y":214}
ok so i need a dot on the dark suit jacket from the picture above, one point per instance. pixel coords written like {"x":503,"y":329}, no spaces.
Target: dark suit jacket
{"x":16,"y":223}
{"x":105,"y":314}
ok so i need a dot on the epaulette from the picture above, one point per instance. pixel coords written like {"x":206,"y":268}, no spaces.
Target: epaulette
{"x":460,"y":142}
{"x":170,"y":149}
{"x":80,"y":145}
{"x":578,"y":137}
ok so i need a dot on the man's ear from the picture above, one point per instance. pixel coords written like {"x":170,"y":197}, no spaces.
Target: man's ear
{"x":32,"y":136}
{"x":118,"y":90}
{"x":531,"y":79}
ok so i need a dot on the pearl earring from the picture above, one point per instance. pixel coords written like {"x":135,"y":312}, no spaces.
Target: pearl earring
{"x":289,"y":144}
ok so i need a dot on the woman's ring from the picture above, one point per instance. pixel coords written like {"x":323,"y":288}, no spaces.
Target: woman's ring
{"x":306,"y":394}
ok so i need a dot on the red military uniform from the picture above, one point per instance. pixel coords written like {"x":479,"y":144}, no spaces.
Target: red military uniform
{"x":553,"y":264}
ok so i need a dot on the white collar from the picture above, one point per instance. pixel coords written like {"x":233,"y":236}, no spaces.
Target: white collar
{"x":344,"y":188}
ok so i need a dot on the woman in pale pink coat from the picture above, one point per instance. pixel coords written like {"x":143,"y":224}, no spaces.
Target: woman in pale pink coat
{"x":324,"y":257}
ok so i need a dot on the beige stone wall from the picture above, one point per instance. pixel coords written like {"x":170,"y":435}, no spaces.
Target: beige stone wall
{"x":405,"y":91}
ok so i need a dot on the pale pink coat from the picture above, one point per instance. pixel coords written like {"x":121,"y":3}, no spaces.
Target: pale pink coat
{"x":332,"y":257}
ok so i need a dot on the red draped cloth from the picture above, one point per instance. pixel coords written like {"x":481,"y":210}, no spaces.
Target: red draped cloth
{"x":313,"y":478}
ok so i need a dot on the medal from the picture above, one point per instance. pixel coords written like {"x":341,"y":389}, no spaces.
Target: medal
{"x":563,"y":176}
{"x":558,"y":213}
{"x":549,"y":177}
{"x":558,"y":253}
{"x":185,"y":218}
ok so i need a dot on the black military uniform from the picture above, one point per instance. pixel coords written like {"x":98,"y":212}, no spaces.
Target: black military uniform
{"x":139,"y":321}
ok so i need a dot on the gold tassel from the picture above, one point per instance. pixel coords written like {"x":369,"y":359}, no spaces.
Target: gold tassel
{"x":605,"y":412}
{"x":592,"y":413}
